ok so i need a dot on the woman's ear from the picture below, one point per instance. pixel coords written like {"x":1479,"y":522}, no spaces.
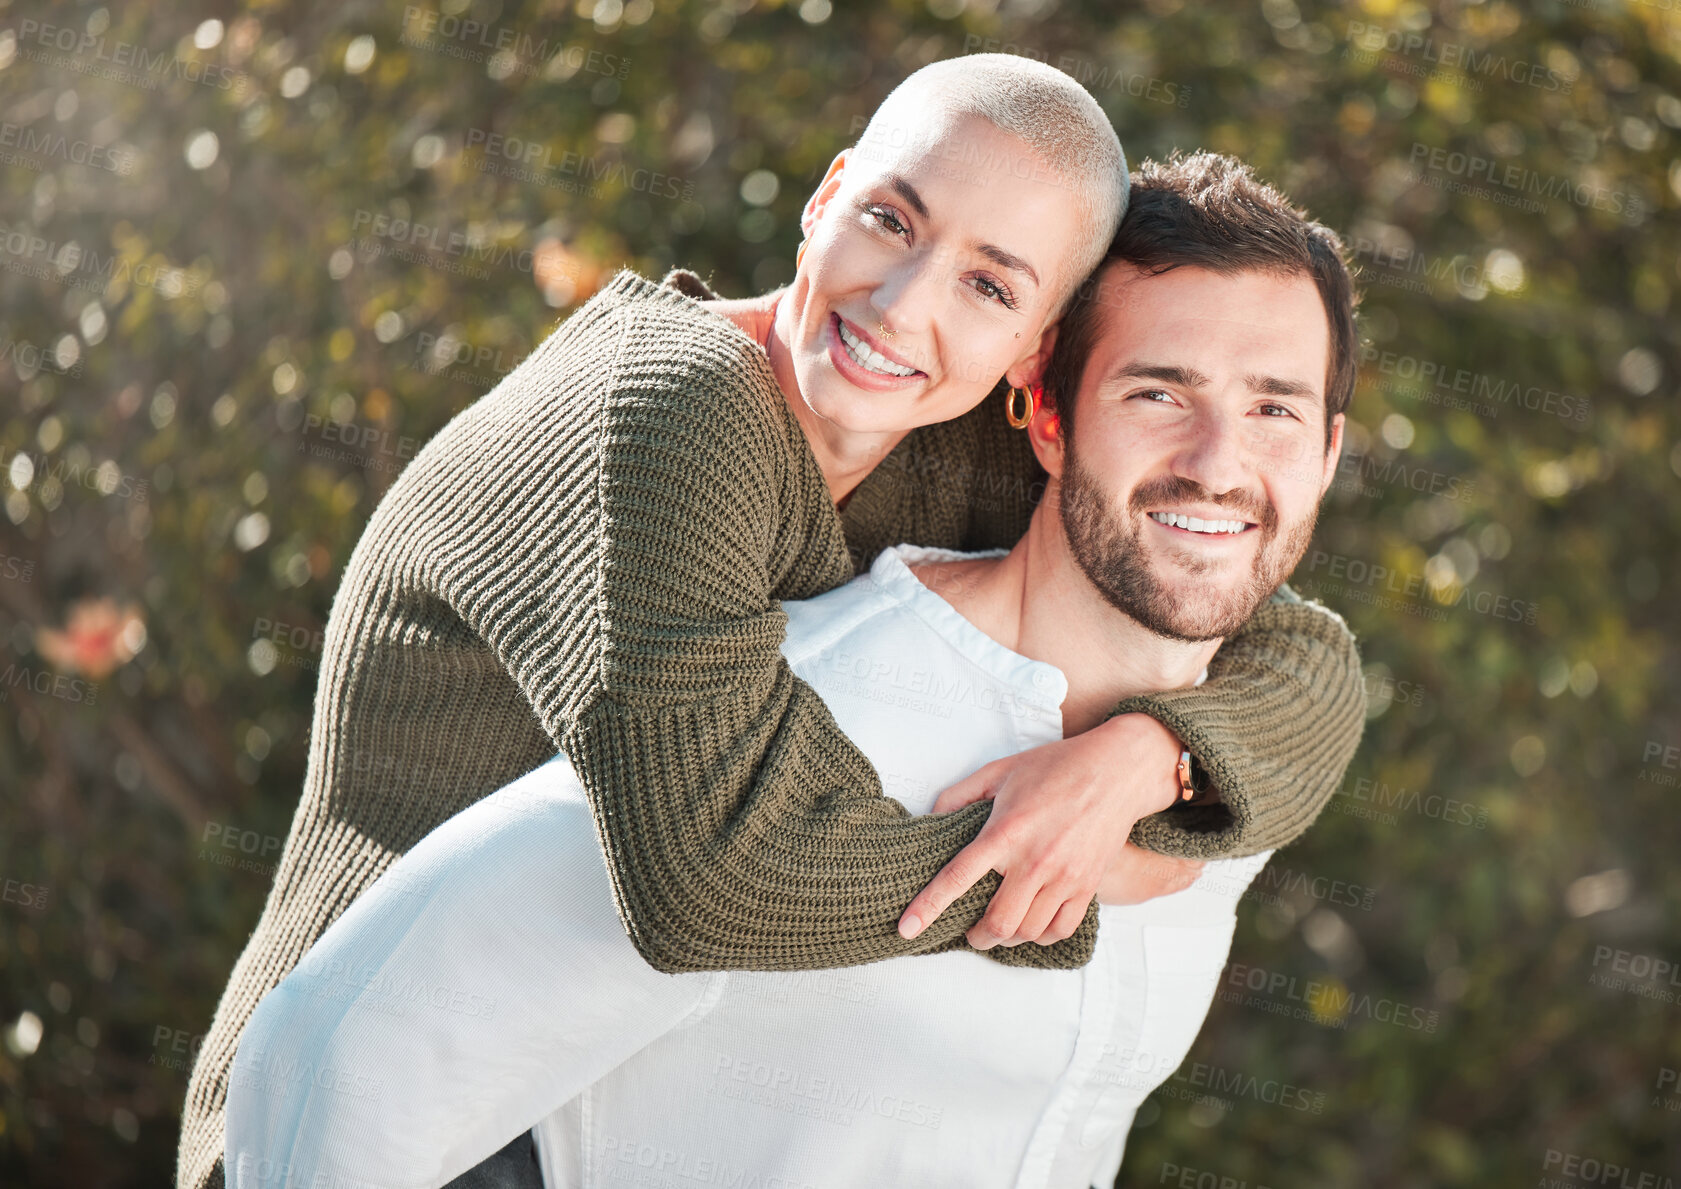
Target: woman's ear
{"x":820,"y":197}
{"x":1031,"y":365}
{"x":1045,"y":430}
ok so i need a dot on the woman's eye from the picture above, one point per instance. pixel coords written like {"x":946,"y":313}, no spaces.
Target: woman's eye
{"x":990,"y":288}
{"x":886,"y":219}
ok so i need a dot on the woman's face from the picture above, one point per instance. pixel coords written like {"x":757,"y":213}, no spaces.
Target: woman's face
{"x":958,"y":251}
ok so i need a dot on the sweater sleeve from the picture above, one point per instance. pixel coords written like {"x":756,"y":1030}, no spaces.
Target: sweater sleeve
{"x":742,"y":828}
{"x":1280,"y":716}
{"x":1271,"y":730}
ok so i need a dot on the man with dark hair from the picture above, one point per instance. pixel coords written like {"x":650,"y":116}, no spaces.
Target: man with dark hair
{"x":1208,"y":210}
{"x":1163,"y":527}
{"x":1206,"y":218}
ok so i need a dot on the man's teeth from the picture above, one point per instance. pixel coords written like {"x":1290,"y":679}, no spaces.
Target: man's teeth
{"x":868,"y":359}
{"x":1179,"y":520}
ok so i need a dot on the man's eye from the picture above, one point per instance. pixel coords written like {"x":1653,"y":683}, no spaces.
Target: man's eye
{"x":1272,"y":410}
{"x":1155,"y":394}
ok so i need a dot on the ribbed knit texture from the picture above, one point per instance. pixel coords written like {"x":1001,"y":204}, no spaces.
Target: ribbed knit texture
{"x":590,"y":558}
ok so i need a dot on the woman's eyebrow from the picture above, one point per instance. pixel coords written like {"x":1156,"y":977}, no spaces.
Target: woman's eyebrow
{"x":1008,"y":260}
{"x":908,"y":192}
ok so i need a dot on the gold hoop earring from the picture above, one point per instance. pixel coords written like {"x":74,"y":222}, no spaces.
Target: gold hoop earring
{"x":1029,"y":401}
{"x":799,"y":253}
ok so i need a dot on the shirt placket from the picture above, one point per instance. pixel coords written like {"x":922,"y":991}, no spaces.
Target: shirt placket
{"x":1099,"y":991}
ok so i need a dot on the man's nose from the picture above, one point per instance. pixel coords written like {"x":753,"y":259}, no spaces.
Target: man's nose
{"x":1213,"y":455}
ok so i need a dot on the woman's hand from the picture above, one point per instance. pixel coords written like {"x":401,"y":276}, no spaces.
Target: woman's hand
{"x":1060,"y":823}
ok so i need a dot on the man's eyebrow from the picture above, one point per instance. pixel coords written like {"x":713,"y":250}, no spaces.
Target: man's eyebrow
{"x":997,"y":255}
{"x":1189,"y":377}
{"x":1167,"y":373}
{"x":1274,"y":386}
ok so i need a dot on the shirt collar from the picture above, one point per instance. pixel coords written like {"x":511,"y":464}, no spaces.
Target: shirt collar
{"x":1037,"y":682}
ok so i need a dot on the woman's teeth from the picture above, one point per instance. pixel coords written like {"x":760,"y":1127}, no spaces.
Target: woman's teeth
{"x":1178,"y":520}
{"x":868,"y":359}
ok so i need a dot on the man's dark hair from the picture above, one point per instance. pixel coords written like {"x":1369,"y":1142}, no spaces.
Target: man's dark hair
{"x":1209,"y":211}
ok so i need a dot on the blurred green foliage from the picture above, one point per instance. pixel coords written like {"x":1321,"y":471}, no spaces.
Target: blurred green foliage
{"x":221,"y":334}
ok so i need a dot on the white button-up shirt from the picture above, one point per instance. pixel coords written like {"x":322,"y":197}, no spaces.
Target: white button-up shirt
{"x":484,"y":986}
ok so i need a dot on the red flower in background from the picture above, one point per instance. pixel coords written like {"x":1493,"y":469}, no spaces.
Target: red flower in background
{"x":98,"y":637}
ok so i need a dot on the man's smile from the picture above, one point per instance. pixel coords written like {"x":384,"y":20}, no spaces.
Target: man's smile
{"x":1202,"y":526}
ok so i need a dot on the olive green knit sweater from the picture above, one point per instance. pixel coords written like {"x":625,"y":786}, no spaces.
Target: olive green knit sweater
{"x":590,"y":558}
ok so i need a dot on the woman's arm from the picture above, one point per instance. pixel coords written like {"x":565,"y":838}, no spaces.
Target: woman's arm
{"x":1271,"y":731}
{"x":648,"y":528}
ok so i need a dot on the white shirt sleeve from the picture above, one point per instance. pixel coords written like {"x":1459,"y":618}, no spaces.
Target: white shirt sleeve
{"x":482,"y":982}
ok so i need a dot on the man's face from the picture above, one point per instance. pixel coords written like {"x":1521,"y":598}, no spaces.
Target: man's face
{"x":1191,"y":482}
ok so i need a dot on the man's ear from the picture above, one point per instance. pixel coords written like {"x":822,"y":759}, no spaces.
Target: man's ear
{"x":820,"y":197}
{"x":1332,"y":453}
{"x":1044,"y":434}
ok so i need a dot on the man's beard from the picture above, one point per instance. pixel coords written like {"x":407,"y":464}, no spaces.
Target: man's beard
{"x":1109,"y":549}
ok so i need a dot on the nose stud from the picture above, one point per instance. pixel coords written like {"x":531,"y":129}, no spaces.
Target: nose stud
{"x":885,"y":333}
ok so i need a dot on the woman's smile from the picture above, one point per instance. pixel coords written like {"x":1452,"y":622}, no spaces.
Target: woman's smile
{"x":860,"y":359}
